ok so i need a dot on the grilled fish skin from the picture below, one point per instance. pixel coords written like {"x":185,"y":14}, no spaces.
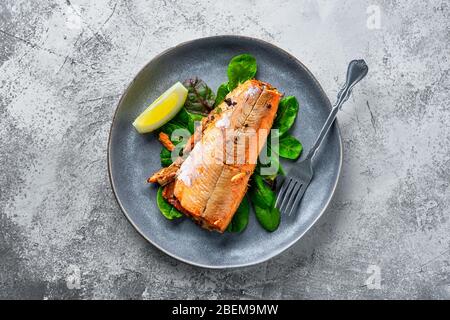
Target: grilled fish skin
{"x":211,"y":182}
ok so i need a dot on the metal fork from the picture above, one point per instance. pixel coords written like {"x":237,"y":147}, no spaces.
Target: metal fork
{"x":298,"y":179}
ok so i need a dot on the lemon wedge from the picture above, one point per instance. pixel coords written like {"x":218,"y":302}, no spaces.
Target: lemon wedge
{"x":162,"y":110}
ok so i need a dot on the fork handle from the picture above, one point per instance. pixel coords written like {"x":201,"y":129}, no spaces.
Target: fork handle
{"x":357,"y":70}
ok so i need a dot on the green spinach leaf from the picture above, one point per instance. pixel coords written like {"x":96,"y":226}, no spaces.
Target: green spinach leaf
{"x":287,"y":112}
{"x":261,"y":194}
{"x":196,"y":117}
{"x":263,"y":199}
{"x":290,"y":147}
{"x":240,"y":218}
{"x":222,"y":92}
{"x":269,"y":218}
{"x":200,"y":99}
{"x":241,"y":68}
{"x":181,"y":121}
{"x":166,"y":208}
{"x":274,"y":161}
{"x":166,"y":157}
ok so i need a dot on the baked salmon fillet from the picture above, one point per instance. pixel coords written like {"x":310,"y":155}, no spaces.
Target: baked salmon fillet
{"x":210,"y":183}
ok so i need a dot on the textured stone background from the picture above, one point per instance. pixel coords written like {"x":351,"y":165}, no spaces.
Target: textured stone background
{"x":63,"y":66}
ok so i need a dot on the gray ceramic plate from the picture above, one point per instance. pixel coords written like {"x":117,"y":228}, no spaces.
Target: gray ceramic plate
{"x":133,"y":157}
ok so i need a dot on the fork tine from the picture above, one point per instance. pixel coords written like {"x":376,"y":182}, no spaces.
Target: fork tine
{"x":282,"y":192}
{"x":299,"y":197}
{"x":288,"y":194}
{"x":293,"y":196}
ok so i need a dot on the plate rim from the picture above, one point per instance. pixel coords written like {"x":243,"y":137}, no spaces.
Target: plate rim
{"x":275,"y":252}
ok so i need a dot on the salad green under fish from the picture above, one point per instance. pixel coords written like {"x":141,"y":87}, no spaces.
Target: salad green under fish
{"x":201,"y":100}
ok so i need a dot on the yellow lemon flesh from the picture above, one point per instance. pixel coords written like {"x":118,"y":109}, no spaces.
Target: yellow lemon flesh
{"x":162,"y":110}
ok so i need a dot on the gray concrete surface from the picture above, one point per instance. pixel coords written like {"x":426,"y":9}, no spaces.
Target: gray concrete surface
{"x":63,"y":66}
